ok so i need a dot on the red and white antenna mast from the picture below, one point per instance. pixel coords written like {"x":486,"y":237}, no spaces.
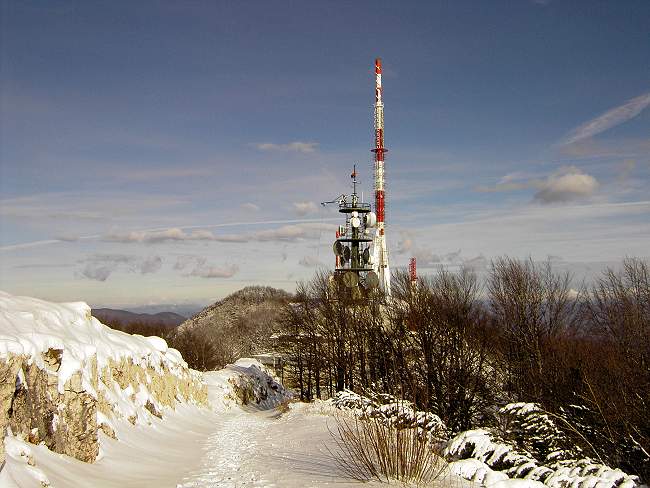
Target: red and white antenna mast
{"x":413,"y":271}
{"x":380,"y":248}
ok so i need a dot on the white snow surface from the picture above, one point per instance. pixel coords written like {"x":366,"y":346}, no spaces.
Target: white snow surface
{"x":228,"y":446}
{"x":29,"y":327}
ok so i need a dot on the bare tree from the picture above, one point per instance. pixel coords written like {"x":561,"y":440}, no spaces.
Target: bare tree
{"x":532,"y":306}
{"x":617,"y":381}
{"x":448,"y":349}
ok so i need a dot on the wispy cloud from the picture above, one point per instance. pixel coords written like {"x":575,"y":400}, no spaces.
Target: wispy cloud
{"x":311,"y":226}
{"x":192,"y":265}
{"x":250,"y":207}
{"x":609,"y":119}
{"x":294,"y":232}
{"x":426,"y":258}
{"x":99,"y":267}
{"x":296,"y":146}
{"x":164,"y":173}
{"x":43,"y":266}
{"x":85,"y":207}
{"x":310,"y":230}
{"x":215,"y":271}
{"x":172,"y":234}
{"x":304,"y":208}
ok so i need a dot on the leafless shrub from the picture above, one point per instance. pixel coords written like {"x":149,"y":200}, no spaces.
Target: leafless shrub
{"x":444,"y":338}
{"x":617,"y":379}
{"x":370,"y":449}
{"x":200,"y":352}
{"x":533,"y":306}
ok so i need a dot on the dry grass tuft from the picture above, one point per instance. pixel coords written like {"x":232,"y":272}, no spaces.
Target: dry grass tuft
{"x":369,"y":449}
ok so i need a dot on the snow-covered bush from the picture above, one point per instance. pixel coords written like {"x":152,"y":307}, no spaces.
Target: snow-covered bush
{"x":529,"y":444}
{"x":391,"y":411}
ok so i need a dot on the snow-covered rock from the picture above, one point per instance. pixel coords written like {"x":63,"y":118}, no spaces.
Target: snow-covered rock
{"x":246,"y":382}
{"x":65,"y":375}
{"x":476,"y":453}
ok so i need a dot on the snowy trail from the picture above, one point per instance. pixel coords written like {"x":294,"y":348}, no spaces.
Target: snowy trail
{"x":227,"y":446}
{"x":227,"y":449}
{"x":263,"y":449}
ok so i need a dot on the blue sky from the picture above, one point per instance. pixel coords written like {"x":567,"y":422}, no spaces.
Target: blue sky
{"x":169,"y":152}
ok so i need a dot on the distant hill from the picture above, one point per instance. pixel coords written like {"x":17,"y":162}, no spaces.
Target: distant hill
{"x":183,"y":309}
{"x":110,"y":316}
{"x":237,"y":326}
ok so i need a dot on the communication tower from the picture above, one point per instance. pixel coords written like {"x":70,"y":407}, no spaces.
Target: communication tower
{"x":380,"y":247}
{"x":354,"y":261}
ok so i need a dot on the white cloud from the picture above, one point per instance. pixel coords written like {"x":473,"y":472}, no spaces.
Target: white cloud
{"x":183,"y":262}
{"x":150,"y":265}
{"x":405,"y":244}
{"x":250,"y":206}
{"x":164,"y":173}
{"x":167,"y":235}
{"x":99,"y":267}
{"x":142,"y":235}
{"x":294,"y":232}
{"x":199,"y":266}
{"x":566,"y":185}
{"x":207,"y":271}
{"x":478,"y":263}
{"x":609,"y":119}
{"x":97,"y":273}
{"x":296,"y":146}
{"x":304,"y":208}
{"x":310,"y":262}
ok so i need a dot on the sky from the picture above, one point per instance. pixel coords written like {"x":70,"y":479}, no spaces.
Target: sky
{"x":173,"y":152}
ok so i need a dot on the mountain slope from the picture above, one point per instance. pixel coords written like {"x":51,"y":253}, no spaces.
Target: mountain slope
{"x":240,"y":325}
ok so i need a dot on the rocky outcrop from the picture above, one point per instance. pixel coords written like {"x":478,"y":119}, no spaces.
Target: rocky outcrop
{"x":64,"y":377}
{"x":32,"y":407}
{"x":65,"y":422}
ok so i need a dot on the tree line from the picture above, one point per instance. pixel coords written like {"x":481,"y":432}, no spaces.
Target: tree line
{"x":461,"y":348}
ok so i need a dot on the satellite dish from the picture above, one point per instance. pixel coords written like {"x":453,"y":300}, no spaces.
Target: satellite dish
{"x":338,"y":248}
{"x":355,"y":222}
{"x":350,"y":279}
{"x":366,"y":255}
{"x":371,"y":219}
{"x":346,"y":253}
{"x":372,"y":280}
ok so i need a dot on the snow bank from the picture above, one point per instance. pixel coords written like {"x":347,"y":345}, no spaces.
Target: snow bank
{"x":65,"y":375}
{"x":478,"y":455}
{"x":180,"y":440}
{"x":247,"y":382}
{"x":29,"y":327}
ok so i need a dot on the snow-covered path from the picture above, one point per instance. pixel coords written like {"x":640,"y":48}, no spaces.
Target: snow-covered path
{"x":229,"y":446}
{"x":266,"y":449}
